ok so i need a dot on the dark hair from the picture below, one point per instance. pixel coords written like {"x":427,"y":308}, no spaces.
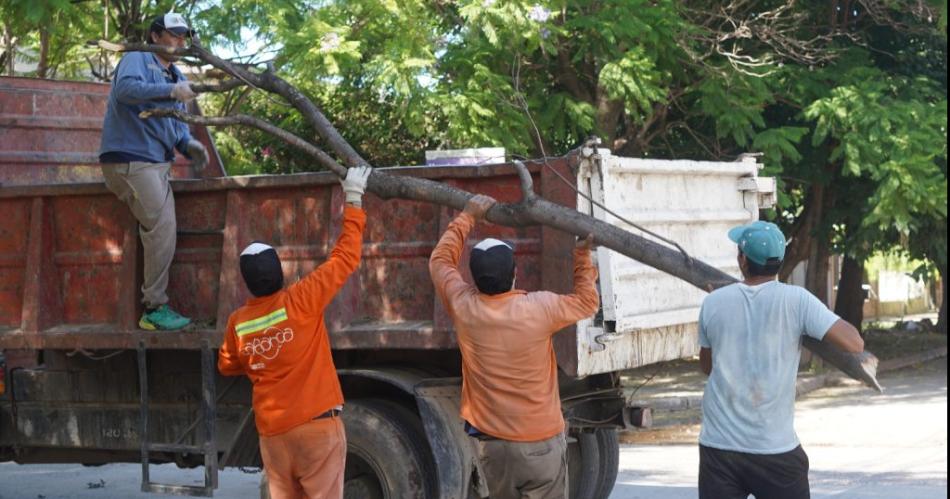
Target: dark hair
{"x":153,"y":28}
{"x":771,"y":267}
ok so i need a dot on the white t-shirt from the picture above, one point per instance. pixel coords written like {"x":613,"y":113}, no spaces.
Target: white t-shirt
{"x":755,"y":333}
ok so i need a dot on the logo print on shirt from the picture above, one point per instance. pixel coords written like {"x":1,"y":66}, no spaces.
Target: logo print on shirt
{"x":268,"y":345}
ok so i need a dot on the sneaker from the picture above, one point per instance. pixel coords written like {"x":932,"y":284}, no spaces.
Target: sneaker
{"x":163,"y":318}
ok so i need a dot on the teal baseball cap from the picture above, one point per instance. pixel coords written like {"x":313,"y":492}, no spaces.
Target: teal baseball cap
{"x":759,"y":241}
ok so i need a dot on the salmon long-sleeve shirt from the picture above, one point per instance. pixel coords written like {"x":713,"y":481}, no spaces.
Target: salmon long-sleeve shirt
{"x":509,"y":371}
{"x":281,"y":343}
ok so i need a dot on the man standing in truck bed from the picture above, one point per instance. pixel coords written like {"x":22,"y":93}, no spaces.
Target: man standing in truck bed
{"x":510,"y":399}
{"x":750,"y":335}
{"x":278,"y":339}
{"x":136,"y":157}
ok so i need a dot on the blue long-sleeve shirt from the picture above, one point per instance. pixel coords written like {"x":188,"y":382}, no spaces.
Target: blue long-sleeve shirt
{"x":142,"y":83}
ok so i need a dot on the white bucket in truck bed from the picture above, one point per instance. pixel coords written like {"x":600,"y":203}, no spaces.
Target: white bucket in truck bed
{"x":650,"y":316}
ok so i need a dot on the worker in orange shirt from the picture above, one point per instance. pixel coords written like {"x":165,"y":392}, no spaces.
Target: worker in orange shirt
{"x":510,"y":400}
{"x":279,"y":340}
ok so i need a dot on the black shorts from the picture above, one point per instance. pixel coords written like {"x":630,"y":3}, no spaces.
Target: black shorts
{"x":734,"y":475}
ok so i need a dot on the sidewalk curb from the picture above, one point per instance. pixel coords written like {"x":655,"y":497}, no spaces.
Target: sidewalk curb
{"x":805,"y":384}
{"x":902,"y":362}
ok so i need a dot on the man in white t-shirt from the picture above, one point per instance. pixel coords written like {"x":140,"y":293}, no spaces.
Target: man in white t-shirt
{"x":750,"y":334}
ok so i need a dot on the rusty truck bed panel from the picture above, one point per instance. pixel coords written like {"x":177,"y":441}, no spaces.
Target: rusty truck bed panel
{"x":50,"y":130}
{"x":70,"y":257}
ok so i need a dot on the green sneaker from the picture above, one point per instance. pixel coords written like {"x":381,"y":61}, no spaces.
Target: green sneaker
{"x":163,"y":318}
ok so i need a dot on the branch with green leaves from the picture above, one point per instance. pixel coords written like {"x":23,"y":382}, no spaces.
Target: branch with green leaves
{"x":531,"y":210}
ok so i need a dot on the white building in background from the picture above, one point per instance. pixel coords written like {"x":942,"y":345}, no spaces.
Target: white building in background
{"x":890,"y":293}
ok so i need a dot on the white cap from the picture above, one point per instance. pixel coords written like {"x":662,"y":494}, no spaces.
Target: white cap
{"x":175,"y":23}
{"x":255,"y":248}
{"x":489,"y":243}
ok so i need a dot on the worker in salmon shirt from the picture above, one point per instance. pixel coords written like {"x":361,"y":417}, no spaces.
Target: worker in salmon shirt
{"x":279,"y":340}
{"x":511,"y":406}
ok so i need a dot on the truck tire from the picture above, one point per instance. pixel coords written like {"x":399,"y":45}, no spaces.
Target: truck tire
{"x":608,"y":446}
{"x":583,"y":466}
{"x":388,"y":456}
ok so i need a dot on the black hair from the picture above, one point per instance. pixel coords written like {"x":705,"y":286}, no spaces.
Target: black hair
{"x":155,"y":27}
{"x":771,"y":267}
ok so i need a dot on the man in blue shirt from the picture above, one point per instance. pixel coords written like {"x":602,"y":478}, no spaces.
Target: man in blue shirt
{"x":136,"y":157}
{"x":750,"y":335}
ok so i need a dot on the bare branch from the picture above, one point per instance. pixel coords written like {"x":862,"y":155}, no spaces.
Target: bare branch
{"x":527,"y":185}
{"x":747,"y":38}
{"x":241,"y":119}
{"x":142,"y":47}
{"x":880,"y":11}
{"x":223,"y":86}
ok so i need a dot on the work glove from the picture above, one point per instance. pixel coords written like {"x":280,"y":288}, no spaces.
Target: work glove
{"x":198,"y":154}
{"x":478,"y":205}
{"x":354,"y":185}
{"x":182,"y":92}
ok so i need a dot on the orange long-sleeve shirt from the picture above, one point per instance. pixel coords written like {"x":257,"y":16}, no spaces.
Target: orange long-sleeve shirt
{"x":280,"y":341}
{"x":509,"y":371}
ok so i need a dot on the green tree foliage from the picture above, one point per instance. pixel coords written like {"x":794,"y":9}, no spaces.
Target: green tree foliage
{"x":845,"y":99}
{"x":51,"y":35}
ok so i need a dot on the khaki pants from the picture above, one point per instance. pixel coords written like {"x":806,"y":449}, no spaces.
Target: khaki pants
{"x":529,"y":470}
{"x":145,"y":188}
{"x":307,"y":461}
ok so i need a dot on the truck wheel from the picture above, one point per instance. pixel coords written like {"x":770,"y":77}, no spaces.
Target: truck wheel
{"x":608,"y":445}
{"x":583,"y":466}
{"x":387,"y":455}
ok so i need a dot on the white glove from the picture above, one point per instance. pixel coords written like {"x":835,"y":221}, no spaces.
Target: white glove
{"x":198,"y":154}
{"x":354,"y":185}
{"x":182,"y":92}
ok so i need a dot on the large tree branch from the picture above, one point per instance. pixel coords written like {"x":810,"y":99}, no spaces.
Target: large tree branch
{"x":531,"y":211}
{"x":223,"y":86}
{"x":323,"y":158}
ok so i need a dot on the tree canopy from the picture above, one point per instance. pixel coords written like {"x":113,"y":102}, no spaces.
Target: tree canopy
{"x":846,"y":99}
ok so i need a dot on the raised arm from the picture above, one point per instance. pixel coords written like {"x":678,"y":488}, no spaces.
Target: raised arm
{"x":444,"y":262}
{"x":584,"y":301}
{"x":315,"y":291}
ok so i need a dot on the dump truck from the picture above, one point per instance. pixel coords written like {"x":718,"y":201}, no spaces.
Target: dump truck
{"x":82,"y":384}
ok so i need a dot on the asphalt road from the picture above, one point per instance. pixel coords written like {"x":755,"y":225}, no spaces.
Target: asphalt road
{"x":860,"y":445}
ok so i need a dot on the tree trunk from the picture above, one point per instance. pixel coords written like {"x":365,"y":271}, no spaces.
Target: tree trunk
{"x":608,"y":115}
{"x":819,"y":254}
{"x":802,"y":235}
{"x":849,"y":304}
{"x":816,"y":278}
{"x":9,"y":45}
{"x":942,"y":317}
{"x":42,"y":67}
